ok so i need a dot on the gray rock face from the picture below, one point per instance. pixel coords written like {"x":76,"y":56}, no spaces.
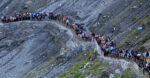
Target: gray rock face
{"x":25,"y":44}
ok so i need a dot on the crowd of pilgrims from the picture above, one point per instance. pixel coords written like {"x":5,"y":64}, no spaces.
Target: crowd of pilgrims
{"x":106,"y":43}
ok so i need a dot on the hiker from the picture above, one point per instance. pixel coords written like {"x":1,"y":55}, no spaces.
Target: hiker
{"x":147,"y":54}
{"x":77,"y":31}
{"x":148,"y":67}
{"x":38,"y":16}
{"x":113,"y":51}
{"x":17,"y":17}
{"x":106,"y":52}
{"x":67,"y":22}
{"x":138,"y":56}
{"x":11,"y":19}
{"x":60,"y":17}
{"x":33,"y":16}
{"x":50,"y":15}
{"x":46,"y":16}
{"x":88,"y":36}
{"x":121,"y":53}
{"x":93,"y":34}
{"x":83,"y":35}
{"x":98,"y":37}
{"x":70,"y":22}
{"x":126,"y":53}
{"x":28,"y":16}
{"x":3,"y":19}
{"x":73,"y":26}
{"x":112,"y":43}
{"x":64,"y":19}
{"x":129,"y":54}
{"x":20,"y":17}
{"x":24,"y":16}
{"x":103,"y":40}
{"x":98,"y":40}
{"x":143,"y":66}
{"x":117,"y":52}
{"x":14,"y":18}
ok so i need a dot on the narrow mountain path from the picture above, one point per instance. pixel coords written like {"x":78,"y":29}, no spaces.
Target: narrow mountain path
{"x":124,"y":63}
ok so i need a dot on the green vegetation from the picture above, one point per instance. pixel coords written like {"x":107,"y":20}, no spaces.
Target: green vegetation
{"x":47,"y":53}
{"x":77,"y":66}
{"x":126,"y":74}
{"x":48,"y":63}
{"x":59,"y":60}
{"x":130,"y":37}
{"x":142,"y":48}
{"x":78,"y":75}
{"x":43,"y":67}
{"x":96,"y":67}
{"x":146,"y":38}
{"x":104,"y":75}
{"x":128,"y":43}
{"x":30,"y":75}
{"x":55,"y":39}
{"x":145,"y":20}
{"x":83,"y":55}
{"x":133,"y":18}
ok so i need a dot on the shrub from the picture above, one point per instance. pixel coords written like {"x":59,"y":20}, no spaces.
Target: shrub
{"x":128,"y":43}
{"x":133,"y":18}
{"x":145,"y":39}
{"x":76,"y":67}
{"x":126,"y":74}
{"x":78,"y":75}
{"x":142,"y":48}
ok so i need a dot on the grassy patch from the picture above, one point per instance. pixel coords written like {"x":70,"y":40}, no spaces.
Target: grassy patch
{"x":133,"y":18}
{"x":96,"y":67}
{"x":30,"y":75}
{"x":142,"y":48}
{"x":55,"y":39}
{"x":78,"y":75}
{"x":126,"y":74}
{"x":145,"y":21}
{"x":146,"y":38}
{"x":128,"y":43}
{"x":42,"y":68}
{"x":47,"y":53}
{"x":104,"y":75}
{"x":47,"y":64}
{"x":82,"y":56}
{"x":77,"y":66}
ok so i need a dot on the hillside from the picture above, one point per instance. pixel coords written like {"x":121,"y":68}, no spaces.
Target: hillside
{"x":49,"y":49}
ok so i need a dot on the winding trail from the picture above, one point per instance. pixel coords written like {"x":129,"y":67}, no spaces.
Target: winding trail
{"x":124,"y":63}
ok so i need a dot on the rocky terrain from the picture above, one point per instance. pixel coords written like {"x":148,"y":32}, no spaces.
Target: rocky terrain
{"x":48,"y":49}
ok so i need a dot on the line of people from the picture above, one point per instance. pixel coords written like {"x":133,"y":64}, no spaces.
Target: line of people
{"x":78,"y":27}
{"x":142,"y":59}
{"x":106,"y":43}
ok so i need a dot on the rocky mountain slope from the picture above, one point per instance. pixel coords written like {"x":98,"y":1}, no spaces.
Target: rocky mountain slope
{"x":47,"y":49}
